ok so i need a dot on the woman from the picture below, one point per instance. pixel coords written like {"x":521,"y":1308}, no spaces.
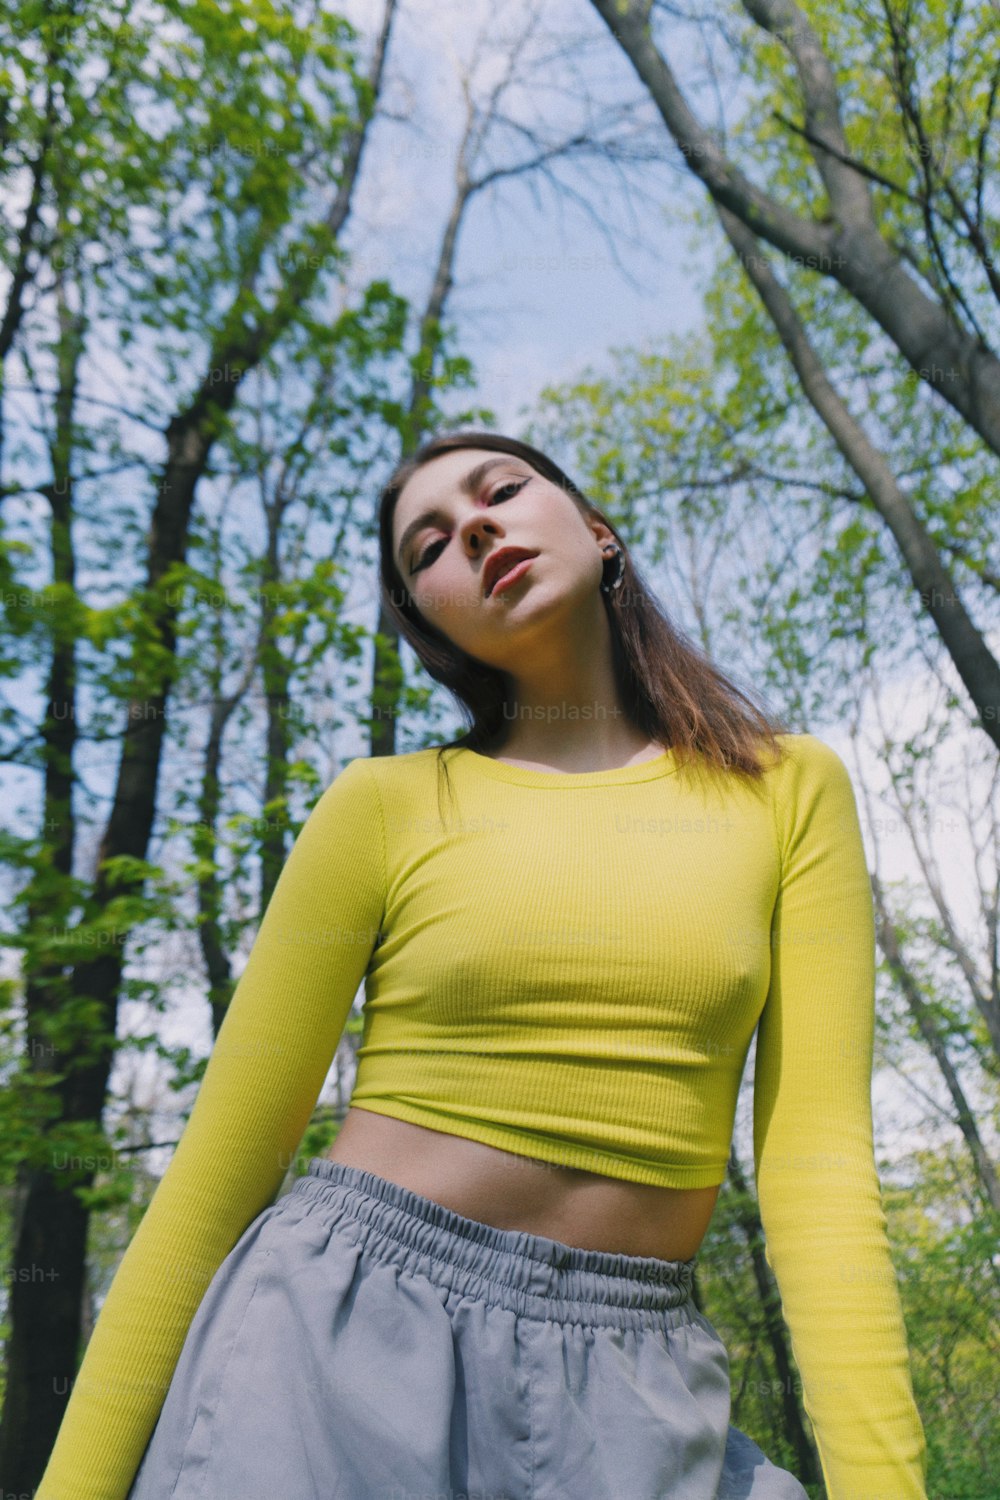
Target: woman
{"x":485,"y":1289}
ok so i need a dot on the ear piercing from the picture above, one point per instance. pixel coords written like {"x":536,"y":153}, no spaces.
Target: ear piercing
{"x":615,"y":553}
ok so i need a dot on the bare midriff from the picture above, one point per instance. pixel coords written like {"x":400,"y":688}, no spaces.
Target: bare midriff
{"x":481,"y":1182}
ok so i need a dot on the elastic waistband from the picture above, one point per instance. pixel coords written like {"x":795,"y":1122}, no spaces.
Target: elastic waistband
{"x":530,"y":1274}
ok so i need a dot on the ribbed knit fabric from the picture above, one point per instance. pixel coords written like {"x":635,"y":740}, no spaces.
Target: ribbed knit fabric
{"x":570,"y":967}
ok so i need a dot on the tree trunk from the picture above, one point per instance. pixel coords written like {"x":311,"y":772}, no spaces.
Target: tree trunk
{"x":807,"y":1466}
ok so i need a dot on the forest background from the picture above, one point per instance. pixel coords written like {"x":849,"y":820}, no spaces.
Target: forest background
{"x":735,"y":267}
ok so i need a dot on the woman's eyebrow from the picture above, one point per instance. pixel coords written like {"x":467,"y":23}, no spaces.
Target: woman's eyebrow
{"x":469,"y":484}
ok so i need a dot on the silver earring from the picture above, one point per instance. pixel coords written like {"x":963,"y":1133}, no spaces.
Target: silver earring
{"x":615,"y":553}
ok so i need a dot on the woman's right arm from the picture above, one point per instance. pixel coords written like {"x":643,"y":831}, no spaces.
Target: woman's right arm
{"x":272,"y":1054}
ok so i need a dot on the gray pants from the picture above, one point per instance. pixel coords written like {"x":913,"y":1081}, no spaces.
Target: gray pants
{"x":361,"y":1342}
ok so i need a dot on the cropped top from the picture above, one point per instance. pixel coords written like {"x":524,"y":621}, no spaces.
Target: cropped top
{"x":568,"y":966}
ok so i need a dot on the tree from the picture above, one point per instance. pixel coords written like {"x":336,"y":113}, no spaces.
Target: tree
{"x":907,"y":238}
{"x":223,"y":145}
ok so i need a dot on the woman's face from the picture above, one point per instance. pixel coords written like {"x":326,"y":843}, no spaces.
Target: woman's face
{"x":460,"y":509}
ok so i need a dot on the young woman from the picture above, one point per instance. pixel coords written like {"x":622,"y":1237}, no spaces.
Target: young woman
{"x":485,"y":1290}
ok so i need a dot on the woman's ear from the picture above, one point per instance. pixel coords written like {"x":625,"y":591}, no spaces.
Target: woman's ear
{"x":602,"y":532}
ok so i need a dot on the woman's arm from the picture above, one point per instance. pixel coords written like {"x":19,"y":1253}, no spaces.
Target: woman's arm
{"x":817,"y":1181}
{"x":273,"y":1052}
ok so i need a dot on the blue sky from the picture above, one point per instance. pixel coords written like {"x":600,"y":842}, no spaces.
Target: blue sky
{"x":538,"y":294}
{"x":539,"y":297}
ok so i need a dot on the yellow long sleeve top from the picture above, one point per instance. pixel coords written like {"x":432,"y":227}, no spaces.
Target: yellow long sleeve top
{"x":572,"y":967}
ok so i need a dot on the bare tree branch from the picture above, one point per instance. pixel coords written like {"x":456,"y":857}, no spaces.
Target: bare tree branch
{"x":954,"y":361}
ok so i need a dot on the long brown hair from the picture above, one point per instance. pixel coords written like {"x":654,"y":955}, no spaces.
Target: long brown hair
{"x":670,"y":688}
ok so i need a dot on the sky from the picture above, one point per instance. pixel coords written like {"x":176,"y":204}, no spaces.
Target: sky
{"x":538,"y":291}
{"x":539,"y":297}
{"x":544,"y":298}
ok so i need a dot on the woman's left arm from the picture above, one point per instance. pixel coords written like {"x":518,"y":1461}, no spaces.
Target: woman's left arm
{"x":817,"y":1182}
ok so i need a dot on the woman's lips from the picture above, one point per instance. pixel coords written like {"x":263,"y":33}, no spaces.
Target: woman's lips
{"x":511,"y":575}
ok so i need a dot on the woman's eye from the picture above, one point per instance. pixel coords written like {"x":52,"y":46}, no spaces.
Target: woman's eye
{"x":429,"y":556}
